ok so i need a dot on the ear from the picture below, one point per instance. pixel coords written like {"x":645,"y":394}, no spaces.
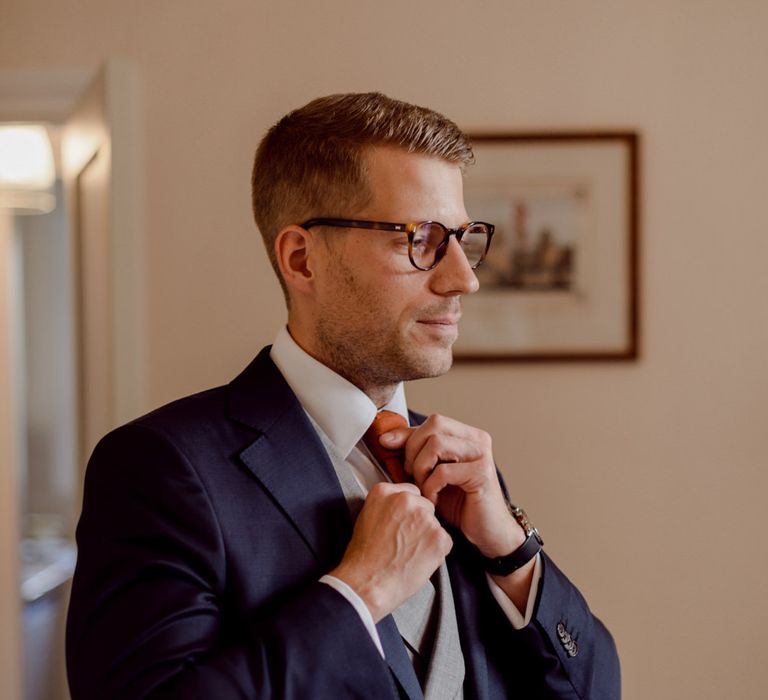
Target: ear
{"x":292,"y":250}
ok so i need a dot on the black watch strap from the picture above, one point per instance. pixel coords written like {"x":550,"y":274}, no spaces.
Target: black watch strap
{"x":503,"y":566}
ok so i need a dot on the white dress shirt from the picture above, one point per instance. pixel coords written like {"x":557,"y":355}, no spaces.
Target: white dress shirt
{"x":342,"y":413}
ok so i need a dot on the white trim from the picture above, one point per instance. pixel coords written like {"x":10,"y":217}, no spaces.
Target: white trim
{"x":129,"y":305}
{"x":10,"y":630}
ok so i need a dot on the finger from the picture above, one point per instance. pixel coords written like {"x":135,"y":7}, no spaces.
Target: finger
{"x":406,"y":487}
{"x":439,"y":449}
{"x":395,"y":439}
{"x":385,"y":488}
{"x":469,"y":477}
{"x":441,"y":426}
{"x":408,"y":500}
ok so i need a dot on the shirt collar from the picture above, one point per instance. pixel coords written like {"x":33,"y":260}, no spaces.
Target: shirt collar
{"x":342,"y":411}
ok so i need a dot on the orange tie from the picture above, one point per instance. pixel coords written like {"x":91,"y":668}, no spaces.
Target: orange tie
{"x":391,"y":460}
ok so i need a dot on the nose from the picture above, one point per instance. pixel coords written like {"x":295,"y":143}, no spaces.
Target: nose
{"x":454,"y":275}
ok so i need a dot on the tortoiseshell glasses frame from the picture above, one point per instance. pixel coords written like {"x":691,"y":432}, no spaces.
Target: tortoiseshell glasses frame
{"x":427,"y":240}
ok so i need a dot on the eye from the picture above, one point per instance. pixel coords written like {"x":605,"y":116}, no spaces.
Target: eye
{"x":421,"y":241}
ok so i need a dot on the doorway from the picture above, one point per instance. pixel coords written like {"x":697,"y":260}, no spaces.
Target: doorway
{"x":77,"y":283}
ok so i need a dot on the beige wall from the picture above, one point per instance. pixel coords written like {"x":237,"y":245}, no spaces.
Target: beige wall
{"x":647,"y":479}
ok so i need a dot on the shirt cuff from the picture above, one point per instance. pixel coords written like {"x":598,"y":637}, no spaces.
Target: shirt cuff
{"x":516,"y":618}
{"x":362,"y":609}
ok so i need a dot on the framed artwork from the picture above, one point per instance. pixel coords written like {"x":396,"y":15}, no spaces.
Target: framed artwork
{"x":561,"y":278}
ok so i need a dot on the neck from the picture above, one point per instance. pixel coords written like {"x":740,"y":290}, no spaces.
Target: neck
{"x":379,"y":393}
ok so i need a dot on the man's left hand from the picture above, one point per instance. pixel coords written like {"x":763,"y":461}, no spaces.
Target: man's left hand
{"x":452,"y":464}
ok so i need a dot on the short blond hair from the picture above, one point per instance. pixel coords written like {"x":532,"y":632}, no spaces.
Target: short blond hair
{"x":312,"y":164}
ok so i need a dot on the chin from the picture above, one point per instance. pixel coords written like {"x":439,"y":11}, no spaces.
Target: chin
{"x":433,"y":365}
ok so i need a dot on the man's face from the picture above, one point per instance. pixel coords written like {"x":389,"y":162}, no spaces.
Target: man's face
{"x":378,"y":320}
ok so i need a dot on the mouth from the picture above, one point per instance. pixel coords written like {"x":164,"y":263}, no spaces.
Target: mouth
{"x":451,"y":322}
{"x":447,"y":326}
{"x":441,"y":321}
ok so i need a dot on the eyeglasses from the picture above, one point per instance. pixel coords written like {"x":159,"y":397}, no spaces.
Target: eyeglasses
{"x":427,"y":240}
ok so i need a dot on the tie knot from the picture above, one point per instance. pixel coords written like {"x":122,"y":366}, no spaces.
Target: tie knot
{"x":391,"y":460}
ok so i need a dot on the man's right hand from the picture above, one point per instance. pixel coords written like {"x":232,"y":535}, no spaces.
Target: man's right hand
{"x":396,"y":545}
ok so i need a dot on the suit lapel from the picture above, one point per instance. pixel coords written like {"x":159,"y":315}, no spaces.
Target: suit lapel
{"x":466,"y":600}
{"x":397,"y":658}
{"x":289,"y":460}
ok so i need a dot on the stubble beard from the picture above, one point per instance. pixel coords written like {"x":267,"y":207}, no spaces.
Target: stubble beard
{"x":354,"y":341}
{"x":374,"y":361}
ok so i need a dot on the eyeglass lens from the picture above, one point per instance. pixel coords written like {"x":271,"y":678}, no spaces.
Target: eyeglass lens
{"x":428,"y":239}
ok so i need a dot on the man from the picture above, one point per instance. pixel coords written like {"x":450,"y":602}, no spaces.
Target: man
{"x":249,"y":542}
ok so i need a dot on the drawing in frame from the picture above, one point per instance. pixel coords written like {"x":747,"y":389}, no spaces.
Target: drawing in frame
{"x":560,"y":281}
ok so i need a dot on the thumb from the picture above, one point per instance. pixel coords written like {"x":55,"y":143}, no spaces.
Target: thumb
{"x":394,"y":439}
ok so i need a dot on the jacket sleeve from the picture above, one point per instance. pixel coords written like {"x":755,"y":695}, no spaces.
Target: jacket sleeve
{"x":533,"y":662}
{"x":564,"y":653}
{"x":149,"y":614}
{"x":576,"y":654}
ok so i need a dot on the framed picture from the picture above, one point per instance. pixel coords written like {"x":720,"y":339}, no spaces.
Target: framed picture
{"x":560,"y":281}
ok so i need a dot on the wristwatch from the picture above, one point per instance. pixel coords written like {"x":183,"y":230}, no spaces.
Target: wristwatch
{"x":502,"y":566}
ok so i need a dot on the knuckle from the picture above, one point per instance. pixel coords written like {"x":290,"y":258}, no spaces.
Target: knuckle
{"x":413,"y":489}
{"x":444,"y":541}
{"x":379,"y":489}
{"x":420,"y":506}
{"x":428,"y":507}
{"x":400,"y":498}
{"x":434,"y":526}
{"x":438,"y":420}
{"x":403,"y":499}
{"x":440,"y":468}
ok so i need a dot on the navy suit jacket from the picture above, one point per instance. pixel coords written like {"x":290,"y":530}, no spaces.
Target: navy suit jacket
{"x":205,"y":528}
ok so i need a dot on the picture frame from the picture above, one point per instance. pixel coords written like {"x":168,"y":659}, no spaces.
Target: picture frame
{"x":561,"y":279}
